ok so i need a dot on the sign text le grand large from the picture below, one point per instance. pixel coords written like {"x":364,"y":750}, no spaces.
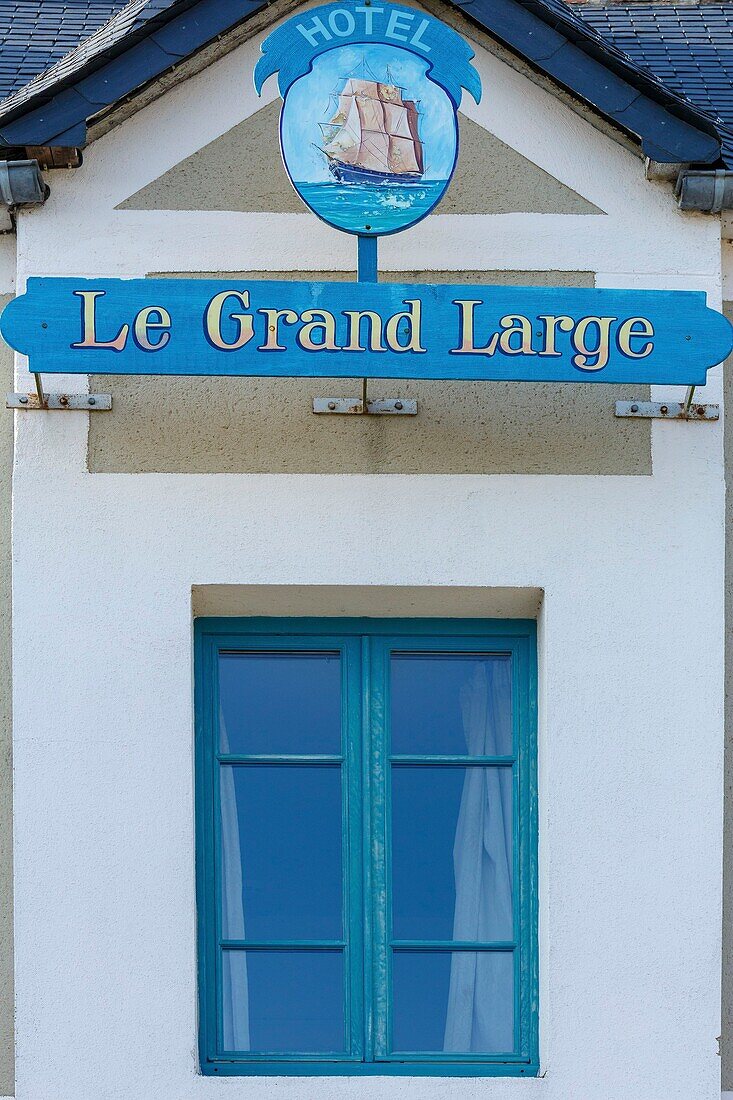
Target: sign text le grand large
{"x":208,"y":327}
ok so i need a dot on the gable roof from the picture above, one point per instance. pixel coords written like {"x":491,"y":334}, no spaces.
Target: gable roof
{"x":688,"y":48}
{"x":146,"y":38}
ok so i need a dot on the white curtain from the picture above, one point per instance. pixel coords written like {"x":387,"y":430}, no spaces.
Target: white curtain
{"x":481,"y":994}
{"x":235,"y":992}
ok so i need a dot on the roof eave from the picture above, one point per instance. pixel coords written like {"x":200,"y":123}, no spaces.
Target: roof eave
{"x":667,"y":127}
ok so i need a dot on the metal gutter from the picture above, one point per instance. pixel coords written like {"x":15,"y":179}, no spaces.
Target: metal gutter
{"x":21,"y":183}
{"x":706,"y":191}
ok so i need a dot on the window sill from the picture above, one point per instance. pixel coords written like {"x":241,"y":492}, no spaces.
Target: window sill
{"x":369,"y":1069}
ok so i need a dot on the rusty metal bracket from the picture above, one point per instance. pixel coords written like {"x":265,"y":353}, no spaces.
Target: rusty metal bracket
{"x":667,"y":410}
{"x":59,"y":402}
{"x":362,"y":406}
{"x":354,"y":406}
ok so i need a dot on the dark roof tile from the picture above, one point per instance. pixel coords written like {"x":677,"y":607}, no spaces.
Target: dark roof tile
{"x":34,"y":34}
{"x":660,"y":52}
{"x":688,"y":48}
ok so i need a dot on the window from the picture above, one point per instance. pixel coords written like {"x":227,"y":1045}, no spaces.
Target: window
{"x":366,"y":823}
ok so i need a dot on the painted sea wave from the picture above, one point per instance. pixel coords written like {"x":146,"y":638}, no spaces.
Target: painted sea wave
{"x":360,"y":208}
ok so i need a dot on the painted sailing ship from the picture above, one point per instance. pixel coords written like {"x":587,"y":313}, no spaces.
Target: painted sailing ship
{"x":373,"y":136}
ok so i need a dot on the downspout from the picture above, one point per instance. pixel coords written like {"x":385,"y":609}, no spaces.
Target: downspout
{"x":710,"y":192}
{"x":21,"y":183}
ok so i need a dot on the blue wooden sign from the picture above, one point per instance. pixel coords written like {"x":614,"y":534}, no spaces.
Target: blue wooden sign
{"x":368,"y":127}
{"x":384,"y":330}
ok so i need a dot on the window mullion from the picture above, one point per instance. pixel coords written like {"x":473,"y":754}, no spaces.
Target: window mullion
{"x":353,"y":855}
{"x":376,"y":692}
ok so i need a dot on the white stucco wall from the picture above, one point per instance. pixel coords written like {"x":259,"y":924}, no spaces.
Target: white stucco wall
{"x":631,"y":645}
{"x":7,"y":286}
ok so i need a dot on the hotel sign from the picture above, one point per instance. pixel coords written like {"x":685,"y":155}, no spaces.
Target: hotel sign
{"x":368,"y":127}
{"x":369,"y":137}
{"x":384,"y":330}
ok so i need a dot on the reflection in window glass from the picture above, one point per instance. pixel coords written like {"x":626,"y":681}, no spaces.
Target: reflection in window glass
{"x":452,"y":853}
{"x":279,"y":703}
{"x":451,"y":704}
{"x":281,"y":872}
{"x":461,"y":1001}
{"x":283,"y":1001}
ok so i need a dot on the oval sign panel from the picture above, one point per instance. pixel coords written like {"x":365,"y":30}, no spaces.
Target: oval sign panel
{"x":368,"y":127}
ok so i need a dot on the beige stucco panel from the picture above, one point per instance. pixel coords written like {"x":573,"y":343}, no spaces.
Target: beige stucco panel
{"x":6,"y":732}
{"x":261,"y":425}
{"x":242,"y":170}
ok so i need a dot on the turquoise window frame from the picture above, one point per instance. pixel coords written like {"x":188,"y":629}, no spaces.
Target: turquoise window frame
{"x":365,"y":646}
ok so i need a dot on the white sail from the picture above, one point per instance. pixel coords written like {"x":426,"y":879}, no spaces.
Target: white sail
{"x":344,"y":145}
{"x":374,"y":128}
{"x":395,"y":120}
{"x":401,"y":155}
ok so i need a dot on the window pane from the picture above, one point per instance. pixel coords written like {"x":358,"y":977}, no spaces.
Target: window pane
{"x":451,"y":704}
{"x":283,"y":1001}
{"x":279,"y":703}
{"x":280,"y":852}
{"x":451,"y":853}
{"x":460,"y":1001}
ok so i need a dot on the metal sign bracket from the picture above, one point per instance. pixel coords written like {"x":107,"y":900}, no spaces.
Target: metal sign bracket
{"x":58,"y":402}
{"x":668,"y":410}
{"x":367,"y":272}
{"x":354,"y":406}
{"x":364,"y":406}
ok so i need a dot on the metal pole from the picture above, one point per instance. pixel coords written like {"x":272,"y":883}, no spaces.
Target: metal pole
{"x":367,"y":260}
{"x":367,"y":272}
{"x":688,"y":399}
{"x":42,"y":400}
